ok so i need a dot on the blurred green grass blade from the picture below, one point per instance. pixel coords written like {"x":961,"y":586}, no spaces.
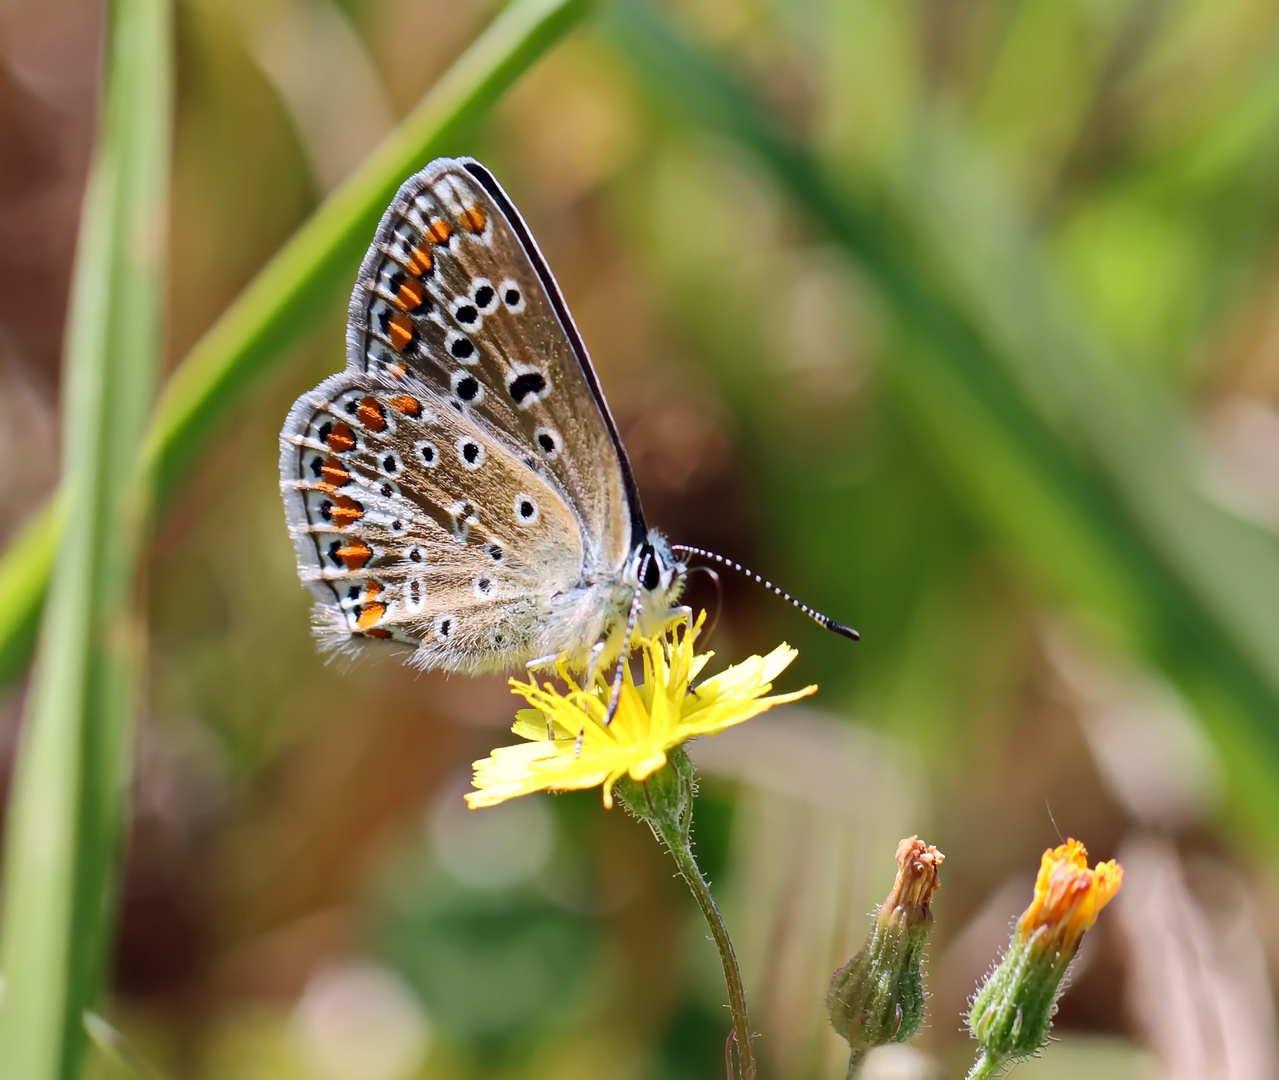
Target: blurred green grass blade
{"x":66,"y":809}
{"x":281,"y":302}
{"x":1091,"y":478}
{"x":300,"y":280}
{"x":24,"y":573}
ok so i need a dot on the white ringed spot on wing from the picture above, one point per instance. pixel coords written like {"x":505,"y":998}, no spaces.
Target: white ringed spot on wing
{"x":427,"y":452}
{"x":511,"y":295}
{"x":467,"y":388}
{"x":548,"y":442}
{"x":526,"y":512}
{"x":469,"y":452}
{"x":484,"y":296}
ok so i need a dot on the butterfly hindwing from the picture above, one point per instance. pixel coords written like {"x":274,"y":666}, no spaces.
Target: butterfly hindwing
{"x":414,"y":523}
{"x":455,"y":294}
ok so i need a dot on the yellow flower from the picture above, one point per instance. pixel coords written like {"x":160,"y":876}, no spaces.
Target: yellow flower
{"x":1068,"y":897}
{"x":569,"y":748}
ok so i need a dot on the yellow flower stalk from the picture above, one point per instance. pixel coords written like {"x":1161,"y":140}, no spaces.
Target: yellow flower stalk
{"x":1012,"y":1011}
{"x":568,"y":747}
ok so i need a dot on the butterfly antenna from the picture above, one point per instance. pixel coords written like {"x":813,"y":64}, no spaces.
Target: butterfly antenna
{"x":824,"y":621}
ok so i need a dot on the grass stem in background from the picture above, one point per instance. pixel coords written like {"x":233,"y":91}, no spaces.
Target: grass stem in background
{"x":1086,"y":474}
{"x":67,"y":807}
{"x":281,"y":302}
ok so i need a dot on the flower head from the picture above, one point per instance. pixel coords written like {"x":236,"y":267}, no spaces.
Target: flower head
{"x":1068,"y":897}
{"x":916,"y":882}
{"x":878,"y":996}
{"x":568,"y":746}
{"x":1012,"y":1010}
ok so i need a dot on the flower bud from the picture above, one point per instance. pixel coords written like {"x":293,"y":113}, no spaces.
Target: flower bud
{"x":1012,"y":1011}
{"x":878,"y":996}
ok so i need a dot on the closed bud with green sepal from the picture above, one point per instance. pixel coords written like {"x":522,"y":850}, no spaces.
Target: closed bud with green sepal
{"x":878,"y":996}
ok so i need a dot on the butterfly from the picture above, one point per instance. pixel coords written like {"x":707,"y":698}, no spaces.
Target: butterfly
{"x":461,"y":489}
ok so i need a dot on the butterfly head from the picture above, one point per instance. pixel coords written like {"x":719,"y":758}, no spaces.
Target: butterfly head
{"x":655,"y":569}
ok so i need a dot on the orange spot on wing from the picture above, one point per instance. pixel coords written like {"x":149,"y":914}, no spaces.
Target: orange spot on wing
{"x":420,"y":261}
{"x":354,"y":556}
{"x":341,"y":439}
{"x":379,"y":632}
{"x":410,"y":295}
{"x":345,"y":511}
{"x":372,"y":589}
{"x":335,"y":475}
{"x":409,"y":406}
{"x":370,"y":614}
{"x":474,"y":219}
{"x":400,"y":331}
{"x":439,"y":232}
{"x":370,"y":414}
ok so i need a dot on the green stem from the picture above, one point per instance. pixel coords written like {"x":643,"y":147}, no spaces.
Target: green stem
{"x":675,"y":837}
{"x":985,"y":1067}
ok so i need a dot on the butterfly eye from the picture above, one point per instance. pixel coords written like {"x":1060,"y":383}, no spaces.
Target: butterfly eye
{"x":511,"y":296}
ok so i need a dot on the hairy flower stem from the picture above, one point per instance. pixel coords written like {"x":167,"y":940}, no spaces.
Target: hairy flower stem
{"x":665,"y":802}
{"x":985,"y":1067}
{"x":682,"y":853}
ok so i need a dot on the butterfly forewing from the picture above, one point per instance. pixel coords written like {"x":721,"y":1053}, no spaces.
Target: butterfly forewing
{"x":454,"y":293}
{"x":415,"y":524}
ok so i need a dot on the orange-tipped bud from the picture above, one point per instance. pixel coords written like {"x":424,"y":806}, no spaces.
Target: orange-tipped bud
{"x":1013,"y":1009}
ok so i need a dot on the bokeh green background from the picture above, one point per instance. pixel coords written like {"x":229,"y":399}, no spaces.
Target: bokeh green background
{"x":960,"y":319}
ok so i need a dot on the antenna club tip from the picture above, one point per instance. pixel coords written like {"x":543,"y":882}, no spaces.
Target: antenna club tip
{"x":843,"y":631}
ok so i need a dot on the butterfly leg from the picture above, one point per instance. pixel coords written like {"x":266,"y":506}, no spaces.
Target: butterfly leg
{"x":597,"y":651}
{"x":620,"y":672}
{"x":540,"y":662}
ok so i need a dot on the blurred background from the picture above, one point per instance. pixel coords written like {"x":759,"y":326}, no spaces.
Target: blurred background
{"x":960,"y":319}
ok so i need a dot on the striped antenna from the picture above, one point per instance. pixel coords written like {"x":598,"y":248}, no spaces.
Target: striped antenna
{"x":821,"y":620}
